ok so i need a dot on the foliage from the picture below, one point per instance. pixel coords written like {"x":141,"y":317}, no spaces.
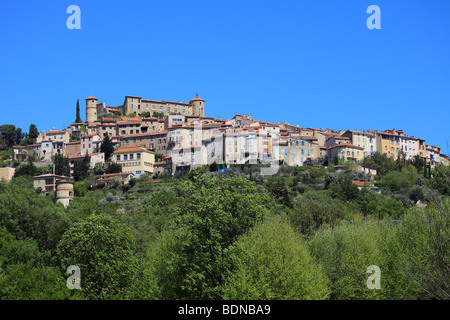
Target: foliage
{"x":81,"y":169}
{"x":25,"y":214}
{"x":159,"y":115}
{"x":10,"y":136}
{"x":441,"y":179}
{"x":212,"y":214}
{"x":308,"y":215}
{"x":394,"y":181}
{"x":113,"y":167}
{"x":107,"y":147}
{"x":280,"y":189}
{"x":344,"y":189}
{"x":291,"y":274}
{"x":25,"y":275}
{"x":424,"y":248}
{"x":79,"y":189}
{"x":78,"y":117}
{"x":346,"y":251}
{"x":103,"y":249}
{"x":62,"y":165}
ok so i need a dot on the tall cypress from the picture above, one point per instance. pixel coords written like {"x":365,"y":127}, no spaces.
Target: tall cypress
{"x":425,"y":169}
{"x":78,"y":119}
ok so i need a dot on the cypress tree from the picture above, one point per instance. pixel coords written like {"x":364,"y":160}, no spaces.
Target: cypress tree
{"x":107,"y":147}
{"x":78,"y":119}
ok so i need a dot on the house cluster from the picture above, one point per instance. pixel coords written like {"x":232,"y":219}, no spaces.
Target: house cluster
{"x":182,"y":138}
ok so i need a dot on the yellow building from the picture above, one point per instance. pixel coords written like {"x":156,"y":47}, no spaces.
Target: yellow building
{"x":388,"y":144}
{"x":47,"y":182}
{"x":296,"y":151}
{"x":135,"y":160}
{"x":349,"y":151}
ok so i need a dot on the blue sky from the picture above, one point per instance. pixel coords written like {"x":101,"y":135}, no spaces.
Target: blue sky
{"x":311,"y":63}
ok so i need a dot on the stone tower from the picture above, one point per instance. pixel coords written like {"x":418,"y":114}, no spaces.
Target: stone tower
{"x":91,"y":109}
{"x":198,"y":106}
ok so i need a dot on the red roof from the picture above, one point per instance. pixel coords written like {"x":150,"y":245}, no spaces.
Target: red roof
{"x":91,"y":98}
{"x":129,"y":149}
{"x":197,"y":99}
{"x":55,"y":132}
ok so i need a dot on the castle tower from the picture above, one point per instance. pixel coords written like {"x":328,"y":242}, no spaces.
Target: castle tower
{"x":91,"y":109}
{"x":64,"y":191}
{"x":198,"y":106}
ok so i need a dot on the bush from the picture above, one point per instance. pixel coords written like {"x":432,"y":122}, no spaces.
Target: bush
{"x":271,"y":263}
{"x":103,"y":249}
{"x":346,"y":252}
{"x":394,"y":181}
{"x":308,"y":215}
{"x":79,"y":189}
{"x":423,"y":251}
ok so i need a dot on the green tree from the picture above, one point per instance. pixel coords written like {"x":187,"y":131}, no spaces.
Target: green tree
{"x":441,"y":179}
{"x":27,"y":170}
{"x":308,"y":215}
{"x":345,"y":252}
{"x":62,"y":165}
{"x":31,"y":136}
{"x":79,"y":189}
{"x":103,"y":249}
{"x":10,"y":136}
{"x":212,"y":214}
{"x":113,"y":167}
{"x":395,"y":181}
{"x":25,"y":214}
{"x":271,"y":263}
{"x":423,"y":248}
{"x":24,"y":274}
{"x":81,"y":168}
{"x":344,"y":189}
{"x":107,"y":147}
{"x":78,"y":117}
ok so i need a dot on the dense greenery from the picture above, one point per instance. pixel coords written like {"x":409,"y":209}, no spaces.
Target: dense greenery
{"x":304,"y":233}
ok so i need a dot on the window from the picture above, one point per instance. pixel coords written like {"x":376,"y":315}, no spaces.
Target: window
{"x":292,"y":151}
{"x":118,"y":158}
{"x":285,"y":152}
{"x":138,"y":156}
{"x":279,"y":151}
{"x":125,"y":157}
{"x":286,"y":159}
{"x":301,"y":159}
{"x":293,"y":159}
{"x":131,"y":156}
{"x":307,"y":152}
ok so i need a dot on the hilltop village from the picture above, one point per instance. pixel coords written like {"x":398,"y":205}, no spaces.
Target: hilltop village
{"x":172,"y":138}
